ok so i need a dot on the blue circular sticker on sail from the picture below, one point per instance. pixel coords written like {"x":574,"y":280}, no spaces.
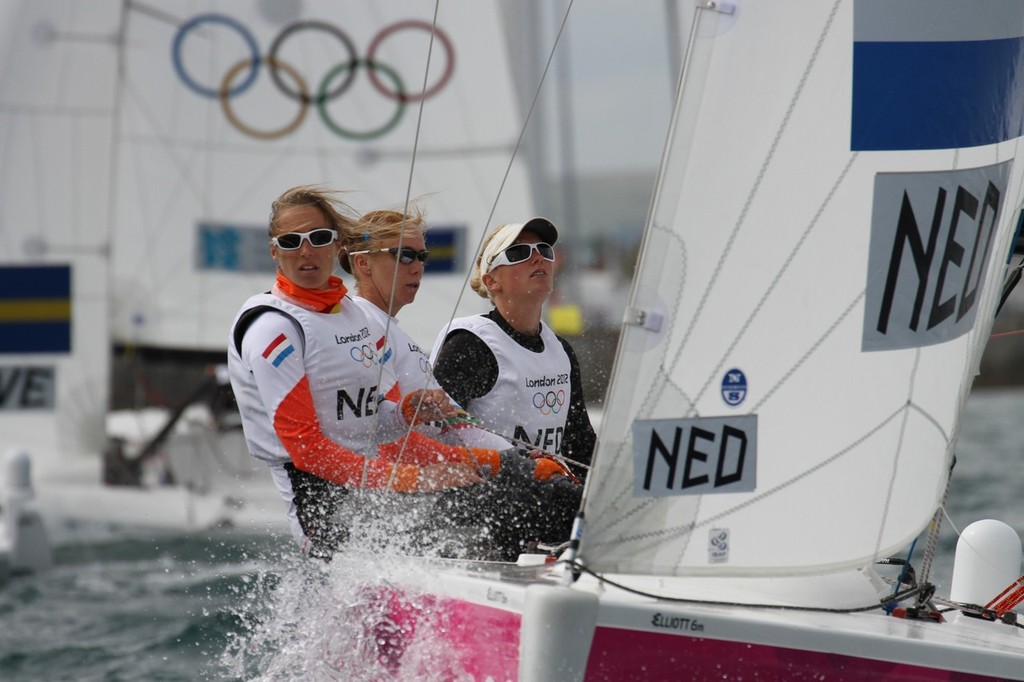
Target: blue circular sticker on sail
{"x":734,"y":387}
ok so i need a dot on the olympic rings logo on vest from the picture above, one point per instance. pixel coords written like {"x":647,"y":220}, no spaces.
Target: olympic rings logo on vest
{"x":550,"y":402}
{"x":364,"y":355}
{"x":293,"y":85}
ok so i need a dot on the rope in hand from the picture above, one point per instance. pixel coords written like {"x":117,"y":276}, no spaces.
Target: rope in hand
{"x":463,"y":418}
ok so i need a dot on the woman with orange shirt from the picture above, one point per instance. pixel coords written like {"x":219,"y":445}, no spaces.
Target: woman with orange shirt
{"x":314,"y":385}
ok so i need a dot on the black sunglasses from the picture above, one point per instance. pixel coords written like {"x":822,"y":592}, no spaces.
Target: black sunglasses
{"x":405,"y":255}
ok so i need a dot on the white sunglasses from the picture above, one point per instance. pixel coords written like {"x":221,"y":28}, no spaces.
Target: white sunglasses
{"x":517,"y":253}
{"x":291,"y":241}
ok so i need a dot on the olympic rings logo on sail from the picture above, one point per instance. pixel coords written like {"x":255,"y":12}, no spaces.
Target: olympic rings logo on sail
{"x":363,"y":354}
{"x":344,"y":73}
{"x":550,"y":402}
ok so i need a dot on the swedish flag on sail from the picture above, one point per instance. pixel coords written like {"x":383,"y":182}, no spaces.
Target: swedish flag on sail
{"x":35,"y":309}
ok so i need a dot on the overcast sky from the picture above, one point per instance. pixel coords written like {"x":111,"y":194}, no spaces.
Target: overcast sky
{"x":620,"y":74}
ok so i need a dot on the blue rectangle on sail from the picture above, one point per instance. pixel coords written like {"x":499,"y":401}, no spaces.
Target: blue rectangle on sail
{"x":936,"y":95}
{"x":446,"y":245}
{"x":233,"y":248}
{"x":35,"y":309}
{"x":20,"y":282}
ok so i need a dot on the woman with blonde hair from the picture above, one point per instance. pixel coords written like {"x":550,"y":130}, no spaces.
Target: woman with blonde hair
{"x":315,"y":394}
{"x":387,"y":255}
{"x":507,"y":367}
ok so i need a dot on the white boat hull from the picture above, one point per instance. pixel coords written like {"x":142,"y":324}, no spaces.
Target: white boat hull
{"x":483,"y":611}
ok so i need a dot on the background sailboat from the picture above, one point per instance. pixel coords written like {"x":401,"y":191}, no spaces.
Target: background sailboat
{"x":142,"y":145}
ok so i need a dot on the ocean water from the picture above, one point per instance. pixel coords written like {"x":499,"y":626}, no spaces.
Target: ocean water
{"x":226,"y":606}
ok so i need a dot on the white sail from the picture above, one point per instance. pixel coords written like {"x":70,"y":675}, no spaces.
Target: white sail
{"x":57,"y":94}
{"x":134,"y":197}
{"x":196,"y":172}
{"x":825,"y":252}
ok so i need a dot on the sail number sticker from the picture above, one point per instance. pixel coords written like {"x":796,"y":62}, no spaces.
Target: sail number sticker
{"x":931,"y":255}
{"x":698,"y":456}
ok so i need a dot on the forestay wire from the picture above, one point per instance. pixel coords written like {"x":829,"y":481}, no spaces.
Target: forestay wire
{"x":401,"y":238}
{"x":490,"y":216}
{"x":508,"y":168}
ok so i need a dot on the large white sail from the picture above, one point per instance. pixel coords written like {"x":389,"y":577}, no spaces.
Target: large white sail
{"x":127,"y":170}
{"x":196,"y":171}
{"x":825,"y":252}
{"x":57,"y":94}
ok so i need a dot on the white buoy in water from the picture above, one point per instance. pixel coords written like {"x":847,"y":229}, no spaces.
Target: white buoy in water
{"x":988,"y":559}
{"x":26,"y":534}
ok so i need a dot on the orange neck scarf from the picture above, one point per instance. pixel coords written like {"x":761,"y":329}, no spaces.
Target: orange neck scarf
{"x":318,"y":300}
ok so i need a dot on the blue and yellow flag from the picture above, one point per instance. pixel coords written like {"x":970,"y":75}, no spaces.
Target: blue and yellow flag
{"x":35,"y":309}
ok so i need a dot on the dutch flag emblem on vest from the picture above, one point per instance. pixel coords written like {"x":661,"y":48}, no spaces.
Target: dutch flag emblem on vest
{"x":278,"y":350}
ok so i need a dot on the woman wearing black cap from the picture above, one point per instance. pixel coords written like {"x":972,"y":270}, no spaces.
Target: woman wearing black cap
{"x":508,"y":368}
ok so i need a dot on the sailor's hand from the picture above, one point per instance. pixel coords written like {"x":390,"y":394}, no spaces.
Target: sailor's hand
{"x":460,"y":419}
{"x":548,"y":469}
{"x":485,"y":461}
{"x":434,"y":477}
{"x":516,"y":462}
{"x":534,"y":463}
{"x":427,"y":405}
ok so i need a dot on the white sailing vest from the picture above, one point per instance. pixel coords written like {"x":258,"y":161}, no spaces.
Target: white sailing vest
{"x":530,"y":399}
{"x":342,"y":353}
{"x":411,"y":365}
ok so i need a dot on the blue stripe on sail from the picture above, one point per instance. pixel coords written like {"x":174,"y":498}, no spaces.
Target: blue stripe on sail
{"x":19,"y":282}
{"x":35,"y":337}
{"x":936,"y":95}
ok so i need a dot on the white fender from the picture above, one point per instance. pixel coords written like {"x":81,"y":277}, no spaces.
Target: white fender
{"x":988,"y":559}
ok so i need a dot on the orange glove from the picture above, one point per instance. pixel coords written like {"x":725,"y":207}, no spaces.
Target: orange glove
{"x":547,"y":467}
{"x":483,"y":459}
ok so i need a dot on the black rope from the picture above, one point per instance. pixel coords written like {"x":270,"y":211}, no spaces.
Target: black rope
{"x":925,"y":590}
{"x":1010,"y":285}
{"x":898,"y":596}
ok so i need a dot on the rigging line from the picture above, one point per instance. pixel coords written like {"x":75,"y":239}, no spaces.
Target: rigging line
{"x":1015,"y":332}
{"x":904,"y":572}
{"x":945,"y":514}
{"x":401,"y":239}
{"x":897,"y":597}
{"x":508,"y":170}
{"x":931,"y":547}
{"x":984,"y":613}
{"x":773,"y":287}
{"x":153,"y":12}
{"x":526,"y":443}
{"x":769,"y":157}
{"x":512,"y":158}
{"x":897,"y":453}
{"x":1009,"y":285}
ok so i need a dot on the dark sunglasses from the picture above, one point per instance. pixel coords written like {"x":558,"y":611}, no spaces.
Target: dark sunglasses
{"x":322,"y":236}
{"x":517,"y":253}
{"x":405,"y":255}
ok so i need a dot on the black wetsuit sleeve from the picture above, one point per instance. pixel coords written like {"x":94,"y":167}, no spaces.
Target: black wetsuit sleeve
{"x":465,"y":367}
{"x":579,"y":438}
